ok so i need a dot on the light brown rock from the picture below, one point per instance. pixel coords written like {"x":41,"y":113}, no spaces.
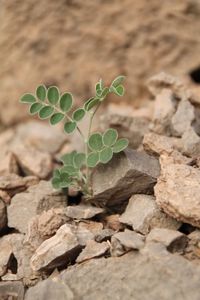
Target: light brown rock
{"x":190,"y":143}
{"x":35,"y":200}
{"x":5,"y":253}
{"x":8,"y":163}
{"x":3,"y":215}
{"x":129,"y":239}
{"x":86,"y":231}
{"x":82,"y":211}
{"x":143,"y":214}
{"x":113,"y":222}
{"x":12,"y":290}
{"x":92,"y":250}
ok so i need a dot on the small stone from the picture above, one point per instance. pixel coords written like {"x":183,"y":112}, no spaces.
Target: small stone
{"x":130,"y":239}
{"x":51,"y":290}
{"x":5,"y":253}
{"x":3,"y":215}
{"x":104,"y":235}
{"x":8,"y":163}
{"x":86,"y":231}
{"x":35,"y":200}
{"x":173,"y":240}
{"x":5,"y":197}
{"x":13,"y":183}
{"x":11,"y":290}
{"x":143,"y":214}
{"x":82,"y":211}
{"x":56,"y":251}
{"x":190,"y":143}
{"x":113,"y":222}
{"x":92,"y":250}
{"x":128,"y":173}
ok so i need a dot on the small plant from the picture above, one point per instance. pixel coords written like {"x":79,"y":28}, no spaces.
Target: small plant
{"x":99,"y":147}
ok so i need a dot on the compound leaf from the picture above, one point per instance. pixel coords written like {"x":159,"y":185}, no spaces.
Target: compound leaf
{"x":46,"y":112}
{"x":56,"y":182}
{"x":56,"y":118}
{"x":71,"y":170}
{"x":69,"y":127}
{"x":53,"y":95}
{"x":106,"y":155}
{"x":79,"y":160}
{"x":117,"y":81}
{"x":104,"y":92}
{"x":28,"y":98}
{"x":120,"y":145}
{"x":41,"y":92}
{"x":66,"y":102}
{"x":78,"y":114}
{"x":92,"y":159}
{"x":35,"y":107}
{"x":68,"y":158}
{"x":93,"y":102}
{"x":95,"y":141}
{"x":110,"y":137}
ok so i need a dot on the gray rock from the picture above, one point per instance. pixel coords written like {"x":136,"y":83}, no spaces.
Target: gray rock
{"x":11,"y":290}
{"x":56,"y":251}
{"x":156,"y":274}
{"x":173,"y":240}
{"x":35,"y":200}
{"x":130,"y":239}
{"x":92,"y":249}
{"x":51,"y":290}
{"x":15,"y":182}
{"x":190,"y":143}
{"x":104,"y":235}
{"x":128,"y":173}
{"x":143,"y":214}
{"x":3,"y":215}
{"x":5,"y":253}
{"x":82,"y":211}
{"x":86,"y":231}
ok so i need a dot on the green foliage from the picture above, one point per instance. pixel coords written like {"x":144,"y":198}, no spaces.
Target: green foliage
{"x":99,"y":147}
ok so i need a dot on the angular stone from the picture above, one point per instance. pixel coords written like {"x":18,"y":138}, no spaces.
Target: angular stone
{"x":35,"y":200}
{"x":113,"y":222}
{"x":86,"y":231}
{"x":183,"y":117}
{"x":5,"y":253}
{"x":92,"y":250}
{"x":16,"y":182}
{"x":3,"y":215}
{"x":130,"y":239}
{"x":173,"y":240}
{"x":177,"y":192}
{"x":104,"y":235}
{"x":190,"y":143}
{"x":11,"y":290}
{"x":82,"y":211}
{"x":128,"y":173}
{"x":51,"y":290}
{"x":56,"y":251}
{"x":143,"y":214}
{"x":8,"y":163}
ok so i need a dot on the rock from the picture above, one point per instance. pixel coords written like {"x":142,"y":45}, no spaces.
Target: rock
{"x":5,"y":253}
{"x":117,"y":248}
{"x":8,"y":163}
{"x":172,"y":239}
{"x":92,"y":250}
{"x":104,"y":235}
{"x":129,"y":239}
{"x":164,"y":109}
{"x":44,"y":226}
{"x":12,"y":290}
{"x":35,"y":200}
{"x":15,"y":182}
{"x":177,"y":192}
{"x":113,"y":222}
{"x":57,"y":251}
{"x":82,"y":211}
{"x":133,"y":128}
{"x":148,"y":275}
{"x":190,"y":143}
{"x":128,"y":173}
{"x":51,"y":290}
{"x":3,"y":215}
{"x":143,"y":214}
{"x":183,"y":117}
{"x":5,"y":197}
{"x":86,"y":231}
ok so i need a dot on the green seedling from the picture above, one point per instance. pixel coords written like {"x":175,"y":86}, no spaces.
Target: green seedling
{"x":99,"y":147}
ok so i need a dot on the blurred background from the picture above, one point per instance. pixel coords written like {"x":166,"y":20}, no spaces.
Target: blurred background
{"x":73,"y":43}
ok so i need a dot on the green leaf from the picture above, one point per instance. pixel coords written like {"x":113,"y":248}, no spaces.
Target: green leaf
{"x":104,"y":92}
{"x":28,"y":98}
{"x":69,"y":169}
{"x":65,"y":180}
{"x":68,"y":158}
{"x":66,"y":102}
{"x":56,"y":173}
{"x":56,"y":118}
{"x":35,"y":107}
{"x":120,"y":145}
{"x":92,"y":103}
{"x":69,"y":127}
{"x":98,"y":87}
{"x":79,"y":160}
{"x":119,"y":90}
{"x":110,"y":137}
{"x":117,"y":81}
{"x":78,"y":114}
{"x":92,"y":159}
{"x":56,"y":182}
{"x":101,"y":84}
{"x":53,"y":95}
{"x":46,"y":112}
{"x":87,"y":102}
{"x":106,"y":155}
{"x":95,"y":141}
{"x":41,"y":92}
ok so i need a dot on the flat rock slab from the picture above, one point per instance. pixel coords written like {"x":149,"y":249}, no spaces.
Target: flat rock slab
{"x":92,"y":249}
{"x":130,"y":239}
{"x":129,"y":172}
{"x":11,"y":290}
{"x":135,"y":276}
{"x":82,"y":211}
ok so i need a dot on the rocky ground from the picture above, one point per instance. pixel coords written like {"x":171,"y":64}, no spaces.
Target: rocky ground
{"x":141,"y":239}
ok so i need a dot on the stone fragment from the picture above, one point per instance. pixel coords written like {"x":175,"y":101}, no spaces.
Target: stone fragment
{"x":35,"y":200}
{"x":5,"y":253}
{"x":56,"y":251}
{"x":5,"y":197}
{"x":11,"y":290}
{"x":8,"y":163}
{"x":128,"y":173}
{"x":130,"y":239}
{"x":104,"y":235}
{"x":183,"y":117}
{"x":51,"y":290}
{"x":86,"y":231}
{"x":82,"y":211}
{"x":3,"y":215}
{"x":113,"y":222}
{"x":14,"y":182}
{"x":173,"y":240}
{"x":190,"y":143}
{"x":177,"y":192}
{"x":92,"y":250}
{"x":143,"y":214}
